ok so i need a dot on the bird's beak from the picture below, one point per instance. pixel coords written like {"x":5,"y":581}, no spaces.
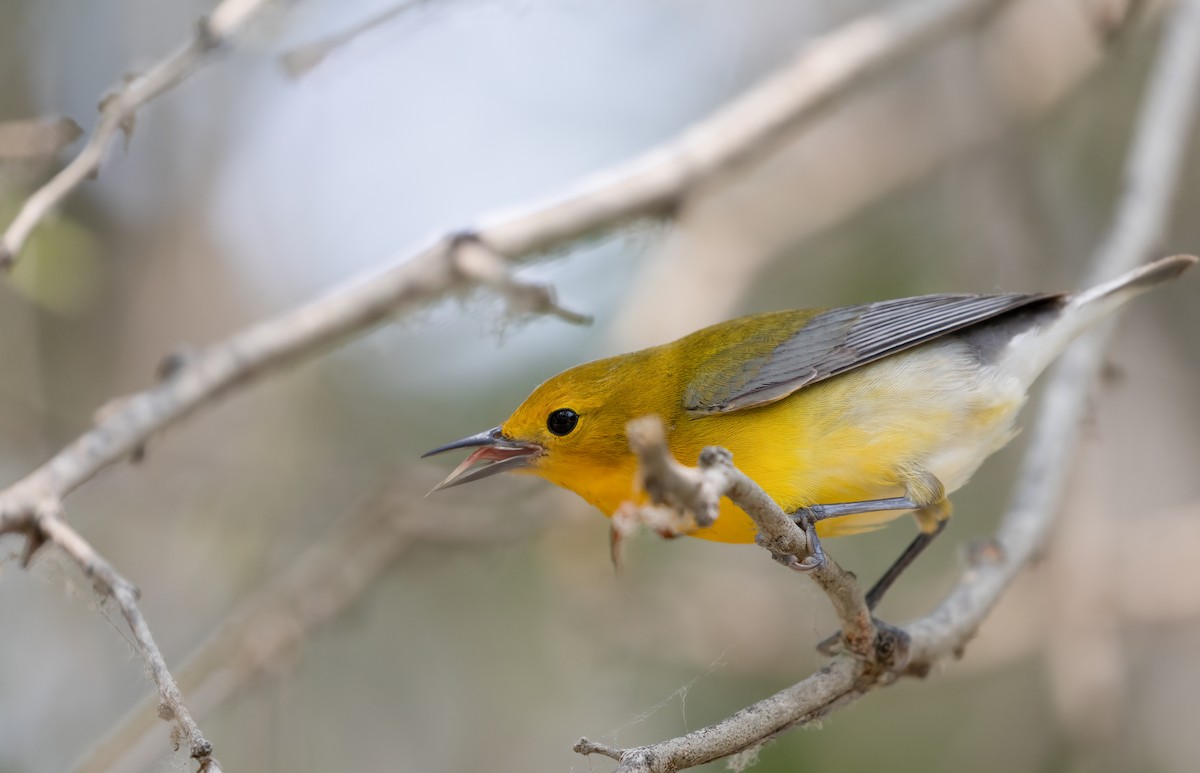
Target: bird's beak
{"x":495,"y":454}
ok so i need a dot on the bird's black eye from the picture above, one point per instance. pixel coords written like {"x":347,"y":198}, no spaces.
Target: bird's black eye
{"x":562,"y":421}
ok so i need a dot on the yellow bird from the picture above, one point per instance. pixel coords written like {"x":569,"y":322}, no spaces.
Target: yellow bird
{"x":849,"y":416}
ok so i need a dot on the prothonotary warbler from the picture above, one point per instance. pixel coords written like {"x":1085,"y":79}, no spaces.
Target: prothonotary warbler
{"x":852,"y":416}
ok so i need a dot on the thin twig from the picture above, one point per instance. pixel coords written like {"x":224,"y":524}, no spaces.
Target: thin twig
{"x":479,"y":263}
{"x":51,"y":527}
{"x":1138,"y":225}
{"x":315,"y":590}
{"x":697,"y":492}
{"x":117,"y":111}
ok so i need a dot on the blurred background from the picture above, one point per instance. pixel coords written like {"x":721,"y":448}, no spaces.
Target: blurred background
{"x":322,"y":615}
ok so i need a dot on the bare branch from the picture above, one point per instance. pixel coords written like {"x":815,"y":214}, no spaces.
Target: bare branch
{"x":697,"y":493}
{"x":1138,"y":224}
{"x":660,"y":181}
{"x":117,"y":111}
{"x":896,"y":132}
{"x":477,"y":262}
{"x":126,"y":425}
{"x":656,"y":183}
{"x":837,"y":684}
{"x":46,"y":521}
{"x":321,"y":584}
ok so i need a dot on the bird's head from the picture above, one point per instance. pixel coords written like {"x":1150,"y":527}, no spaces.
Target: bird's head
{"x":570,"y":431}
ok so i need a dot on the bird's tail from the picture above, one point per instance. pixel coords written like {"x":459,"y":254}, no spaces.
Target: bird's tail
{"x":1028,"y":354}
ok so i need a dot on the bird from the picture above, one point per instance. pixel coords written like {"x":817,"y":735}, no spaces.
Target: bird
{"x":848,"y":417}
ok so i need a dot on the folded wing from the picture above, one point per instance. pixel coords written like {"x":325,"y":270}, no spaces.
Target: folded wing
{"x":839,"y":340}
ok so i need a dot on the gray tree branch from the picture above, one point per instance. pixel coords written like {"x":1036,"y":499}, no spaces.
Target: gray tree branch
{"x":697,"y":492}
{"x":314,"y":590}
{"x":47,"y":524}
{"x":117,"y":111}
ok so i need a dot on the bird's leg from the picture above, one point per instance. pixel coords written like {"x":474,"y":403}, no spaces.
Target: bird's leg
{"x":922,"y":490}
{"x":924,"y":494}
{"x":923,"y":540}
{"x":932,"y":521}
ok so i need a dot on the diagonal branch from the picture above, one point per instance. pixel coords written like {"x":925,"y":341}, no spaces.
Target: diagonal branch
{"x":45,"y":524}
{"x":117,"y":111}
{"x":1150,"y":184}
{"x":303,"y":59}
{"x":315,"y":590}
{"x":207,"y":375}
{"x":655,"y":183}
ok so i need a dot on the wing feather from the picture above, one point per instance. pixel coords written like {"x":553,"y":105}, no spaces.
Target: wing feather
{"x":839,"y":340}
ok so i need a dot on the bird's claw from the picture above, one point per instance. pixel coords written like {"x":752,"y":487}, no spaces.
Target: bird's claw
{"x":806,"y":518}
{"x":809,"y":563}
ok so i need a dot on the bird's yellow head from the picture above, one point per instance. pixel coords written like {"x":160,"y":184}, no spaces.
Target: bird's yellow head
{"x":571,"y":431}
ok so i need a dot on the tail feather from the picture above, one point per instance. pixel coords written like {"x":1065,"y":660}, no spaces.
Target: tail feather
{"x":1136,"y":281}
{"x":1029,"y":353}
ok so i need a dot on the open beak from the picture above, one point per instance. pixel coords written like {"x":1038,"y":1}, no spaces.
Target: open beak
{"x":495,"y":454}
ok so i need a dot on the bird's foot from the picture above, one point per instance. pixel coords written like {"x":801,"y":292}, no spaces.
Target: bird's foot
{"x":890,"y":649}
{"x":815,"y":558}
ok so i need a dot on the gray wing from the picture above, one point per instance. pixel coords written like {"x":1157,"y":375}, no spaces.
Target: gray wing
{"x":836,"y":341}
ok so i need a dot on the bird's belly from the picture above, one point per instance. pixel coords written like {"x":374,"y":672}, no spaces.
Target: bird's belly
{"x":936,"y":412}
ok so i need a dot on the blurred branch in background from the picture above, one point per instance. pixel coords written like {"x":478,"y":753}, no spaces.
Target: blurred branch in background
{"x":36,"y":138}
{"x":51,"y":527}
{"x":1032,"y":57}
{"x":666,"y":179}
{"x":321,"y":584}
{"x":304,"y":59}
{"x":1161,"y":551}
{"x":1149,"y":188}
{"x":32,"y":506}
{"x":117,"y":113}
{"x":657,"y":183}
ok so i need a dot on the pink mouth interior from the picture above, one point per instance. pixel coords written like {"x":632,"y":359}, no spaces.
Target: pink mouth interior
{"x":493,"y":454}
{"x":486,"y":454}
